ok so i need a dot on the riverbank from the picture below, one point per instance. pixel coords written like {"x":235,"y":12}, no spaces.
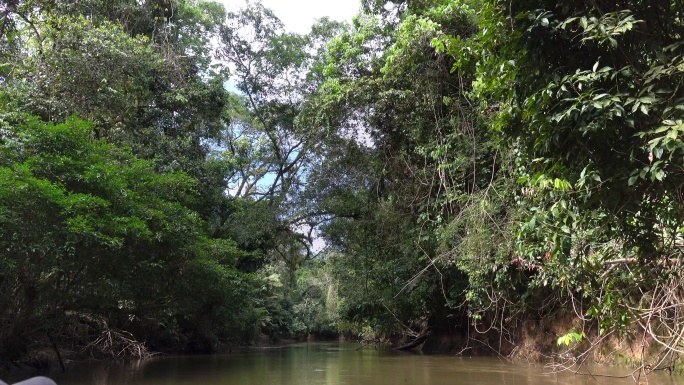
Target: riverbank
{"x":561,"y":341}
{"x":529,"y":341}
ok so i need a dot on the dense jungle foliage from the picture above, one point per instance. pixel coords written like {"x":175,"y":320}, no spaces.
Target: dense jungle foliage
{"x":170,"y":171}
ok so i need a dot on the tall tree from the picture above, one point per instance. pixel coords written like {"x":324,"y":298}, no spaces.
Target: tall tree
{"x":89,"y":231}
{"x":132,"y":194}
{"x":589,"y":93}
{"x":272,"y":142}
{"x":430,"y":170}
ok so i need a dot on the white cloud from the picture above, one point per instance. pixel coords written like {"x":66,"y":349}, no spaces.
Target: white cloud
{"x":299,"y":15}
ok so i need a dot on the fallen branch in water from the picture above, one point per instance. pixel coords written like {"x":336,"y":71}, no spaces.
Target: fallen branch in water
{"x":415,"y":343}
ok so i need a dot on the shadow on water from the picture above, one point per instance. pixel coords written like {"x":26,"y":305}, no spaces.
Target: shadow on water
{"x":327,"y":364}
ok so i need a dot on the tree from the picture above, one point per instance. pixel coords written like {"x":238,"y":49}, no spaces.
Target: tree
{"x":407,"y":192}
{"x":272,"y":141}
{"x":593,"y":112}
{"x":84,"y":221}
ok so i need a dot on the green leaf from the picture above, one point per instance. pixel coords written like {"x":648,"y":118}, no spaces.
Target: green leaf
{"x":568,"y":338}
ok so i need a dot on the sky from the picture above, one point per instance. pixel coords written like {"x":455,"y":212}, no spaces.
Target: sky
{"x":299,"y":15}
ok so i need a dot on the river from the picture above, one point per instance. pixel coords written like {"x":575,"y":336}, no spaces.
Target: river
{"x":332,"y":364}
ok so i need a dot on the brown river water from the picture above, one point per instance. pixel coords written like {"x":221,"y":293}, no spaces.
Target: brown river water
{"x":333,"y":364}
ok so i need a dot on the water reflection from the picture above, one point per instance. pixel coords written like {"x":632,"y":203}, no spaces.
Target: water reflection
{"x":327,"y":364}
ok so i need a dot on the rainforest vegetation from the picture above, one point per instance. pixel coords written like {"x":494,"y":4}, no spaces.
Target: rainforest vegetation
{"x":179,"y":178}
